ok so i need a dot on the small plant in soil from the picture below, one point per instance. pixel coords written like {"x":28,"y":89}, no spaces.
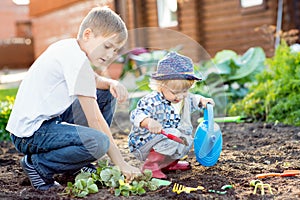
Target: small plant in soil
{"x":111,"y":177}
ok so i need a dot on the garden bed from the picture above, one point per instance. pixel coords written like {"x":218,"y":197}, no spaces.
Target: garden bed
{"x":248,"y":149}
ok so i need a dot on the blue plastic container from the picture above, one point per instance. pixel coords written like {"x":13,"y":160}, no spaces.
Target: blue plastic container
{"x":208,"y":139}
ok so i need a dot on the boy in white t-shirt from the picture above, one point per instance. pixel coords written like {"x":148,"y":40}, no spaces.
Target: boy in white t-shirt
{"x":63,"y":110}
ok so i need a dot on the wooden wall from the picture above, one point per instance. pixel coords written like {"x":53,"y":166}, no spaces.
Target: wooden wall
{"x":212,"y":26}
{"x":16,"y":53}
{"x":10,"y":15}
{"x":38,"y":7}
{"x":59,"y":19}
{"x":224,"y":26}
{"x":144,"y":30}
{"x":205,"y":26}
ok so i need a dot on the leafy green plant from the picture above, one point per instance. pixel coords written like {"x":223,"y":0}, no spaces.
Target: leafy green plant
{"x":5,"y":110}
{"x":84,"y":185}
{"x":227,"y":76}
{"x":10,"y":92}
{"x":110,"y":176}
{"x":276,"y":95}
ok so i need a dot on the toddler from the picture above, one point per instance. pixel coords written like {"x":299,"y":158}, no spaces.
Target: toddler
{"x":168,"y":107}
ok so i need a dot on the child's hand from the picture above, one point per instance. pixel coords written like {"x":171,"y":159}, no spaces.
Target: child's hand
{"x":204,"y":101}
{"x":129,"y":171}
{"x":154,"y":126}
{"x":119,"y":91}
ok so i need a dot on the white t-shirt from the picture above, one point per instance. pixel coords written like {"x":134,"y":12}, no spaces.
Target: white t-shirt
{"x":54,"y":80}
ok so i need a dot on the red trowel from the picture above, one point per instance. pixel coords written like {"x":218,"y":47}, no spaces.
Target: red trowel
{"x":175,"y":138}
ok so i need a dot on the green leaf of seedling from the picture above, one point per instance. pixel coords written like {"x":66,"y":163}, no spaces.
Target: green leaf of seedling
{"x":114,"y":183}
{"x":134,"y":183}
{"x":83,"y":182}
{"x":117,"y":192}
{"x":69,"y":184}
{"x":141,"y":191}
{"x":125,"y":193}
{"x":83,"y":194}
{"x":82,"y":175}
{"x":90,"y":181}
{"x":93,"y":188}
{"x":78,"y":184}
{"x":106,"y":175}
{"x":141,"y":184}
{"x":147,"y":174}
{"x":102,"y":164}
{"x":96,"y":177}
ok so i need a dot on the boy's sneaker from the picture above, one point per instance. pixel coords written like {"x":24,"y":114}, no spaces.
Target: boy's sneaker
{"x":36,"y":180}
{"x":90,"y":168}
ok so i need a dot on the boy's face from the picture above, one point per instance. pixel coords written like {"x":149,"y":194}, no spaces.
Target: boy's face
{"x":100,"y":50}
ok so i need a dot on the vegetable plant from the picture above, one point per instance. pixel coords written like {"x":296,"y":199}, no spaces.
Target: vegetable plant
{"x":111,"y":177}
{"x":227,"y":77}
{"x":276,"y":95}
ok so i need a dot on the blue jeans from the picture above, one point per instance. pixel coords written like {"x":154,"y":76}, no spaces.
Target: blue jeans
{"x":65,"y":143}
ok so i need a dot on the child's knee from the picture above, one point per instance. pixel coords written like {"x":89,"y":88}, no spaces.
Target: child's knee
{"x":96,"y":143}
{"x":102,"y":146}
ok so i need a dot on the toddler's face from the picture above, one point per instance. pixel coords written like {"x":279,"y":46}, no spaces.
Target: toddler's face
{"x":101,"y":50}
{"x":173,"y":95}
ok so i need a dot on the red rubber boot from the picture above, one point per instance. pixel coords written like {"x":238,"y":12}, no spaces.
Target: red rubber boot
{"x":177,"y":165}
{"x":152,"y":163}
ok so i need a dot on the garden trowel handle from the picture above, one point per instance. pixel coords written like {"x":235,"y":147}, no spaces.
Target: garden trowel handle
{"x":173,"y":137}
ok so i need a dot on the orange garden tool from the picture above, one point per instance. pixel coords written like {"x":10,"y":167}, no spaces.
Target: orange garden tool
{"x":285,"y":173}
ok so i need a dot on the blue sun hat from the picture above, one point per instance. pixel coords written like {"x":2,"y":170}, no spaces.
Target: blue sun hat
{"x":208,"y":139}
{"x":175,"y":66}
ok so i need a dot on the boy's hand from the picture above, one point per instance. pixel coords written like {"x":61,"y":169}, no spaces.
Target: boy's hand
{"x":119,"y":91}
{"x":204,"y":101}
{"x":129,"y":171}
{"x":154,"y":126}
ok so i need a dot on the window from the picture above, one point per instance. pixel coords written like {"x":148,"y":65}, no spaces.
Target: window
{"x":250,"y":6}
{"x":250,"y":3}
{"x":21,"y":2}
{"x":167,"y":13}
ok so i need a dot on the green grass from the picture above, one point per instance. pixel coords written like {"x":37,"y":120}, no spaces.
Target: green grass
{"x":7,"y":92}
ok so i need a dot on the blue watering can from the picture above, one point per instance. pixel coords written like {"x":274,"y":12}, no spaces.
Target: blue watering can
{"x":208,"y":139}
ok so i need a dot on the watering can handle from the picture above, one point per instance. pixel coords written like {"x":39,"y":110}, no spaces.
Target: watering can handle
{"x":209,"y":116}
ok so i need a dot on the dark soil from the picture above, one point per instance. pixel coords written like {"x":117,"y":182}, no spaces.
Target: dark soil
{"x":248,"y":149}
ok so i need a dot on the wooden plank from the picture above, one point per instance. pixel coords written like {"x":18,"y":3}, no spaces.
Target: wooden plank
{"x":38,"y":7}
{"x":220,"y":5}
{"x":231,"y":33}
{"x":236,"y":18}
{"x":223,"y":27}
{"x":234,"y":41}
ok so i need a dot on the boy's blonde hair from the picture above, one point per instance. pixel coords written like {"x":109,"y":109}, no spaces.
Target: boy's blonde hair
{"x":104,"y":22}
{"x":176,"y":85}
